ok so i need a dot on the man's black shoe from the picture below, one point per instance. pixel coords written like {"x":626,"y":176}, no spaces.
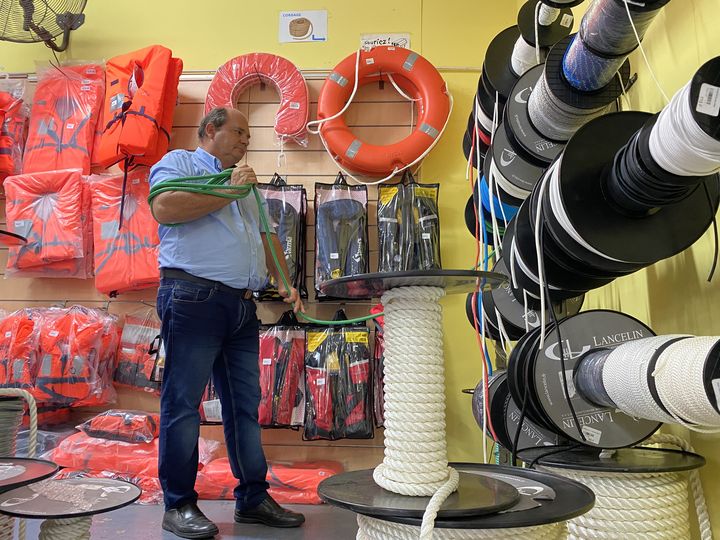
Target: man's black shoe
{"x":271,"y":514}
{"x":189,"y":522}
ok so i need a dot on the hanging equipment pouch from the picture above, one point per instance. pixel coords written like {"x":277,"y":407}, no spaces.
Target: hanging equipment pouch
{"x":422,"y":200}
{"x":287,"y":206}
{"x":338,"y":391}
{"x":341,"y":246}
{"x":389,"y":218}
{"x":281,"y":359}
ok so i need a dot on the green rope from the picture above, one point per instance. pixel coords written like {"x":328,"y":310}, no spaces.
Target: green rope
{"x":214,"y":185}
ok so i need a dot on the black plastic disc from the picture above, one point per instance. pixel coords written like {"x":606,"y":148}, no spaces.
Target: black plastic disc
{"x":636,"y":460}
{"x":602,"y":427}
{"x":545,"y":498}
{"x":358,"y":492}
{"x":711,"y":374}
{"x":99,"y":495}
{"x":705,"y":97}
{"x":562,"y":3}
{"x":16,"y":472}
{"x":570,"y":95}
{"x":497,"y":62}
{"x":519,"y":126}
{"x":531,"y":434}
{"x":640,"y":241}
{"x":547,"y":35}
{"x":513,"y":165}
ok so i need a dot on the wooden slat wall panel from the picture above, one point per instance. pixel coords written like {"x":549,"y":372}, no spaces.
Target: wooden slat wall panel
{"x":377,"y":115}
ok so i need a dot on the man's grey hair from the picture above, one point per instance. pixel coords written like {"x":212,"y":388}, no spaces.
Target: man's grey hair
{"x":217,"y":117}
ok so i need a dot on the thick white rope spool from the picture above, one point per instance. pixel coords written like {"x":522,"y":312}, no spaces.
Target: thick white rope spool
{"x":525,"y":56}
{"x":681,"y":386}
{"x":679,"y":145}
{"x":547,"y":15}
{"x":415,"y":461}
{"x":65,"y":529}
{"x":639,"y":506}
{"x":9,"y":427}
{"x":625,"y":378}
{"x":378,"y":529}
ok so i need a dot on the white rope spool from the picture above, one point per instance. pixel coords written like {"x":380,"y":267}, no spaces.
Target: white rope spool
{"x":378,"y":529}
{"x":525,"y":56}
{"x":66,"y":529}
{"x":681,"y":384}
{"x":628,"y":506}
{"x":9,"y":426}
{"x":679,"y":145}
{"x":415,"y":461}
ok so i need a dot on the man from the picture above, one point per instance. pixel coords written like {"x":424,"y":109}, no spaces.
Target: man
{"x":210,"y":261}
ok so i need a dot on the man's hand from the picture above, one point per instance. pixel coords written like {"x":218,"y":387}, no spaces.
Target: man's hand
{"x":243,"y":175}
{"x":292,"y":298}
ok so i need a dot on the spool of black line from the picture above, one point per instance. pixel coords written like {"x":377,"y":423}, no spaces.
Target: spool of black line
{"x":602,"y":427}
{"x":562,"y":4}
{"x":499,"y":75}
{"x":486,"y":100}
{"x":547,"y":35}
{"x":531,"y":434}
{"x":624,"y":241}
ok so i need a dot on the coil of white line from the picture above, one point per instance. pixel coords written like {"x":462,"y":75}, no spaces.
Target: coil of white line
{"x":505,"y":184}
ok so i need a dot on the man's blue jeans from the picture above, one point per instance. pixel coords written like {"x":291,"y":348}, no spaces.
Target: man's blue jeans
{"x":207,"y":331}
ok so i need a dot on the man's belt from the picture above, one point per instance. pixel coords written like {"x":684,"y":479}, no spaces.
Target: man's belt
{"x":176,"y":273}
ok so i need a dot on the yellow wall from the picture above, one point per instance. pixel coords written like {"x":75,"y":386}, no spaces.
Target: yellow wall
{"x":671,"y":296}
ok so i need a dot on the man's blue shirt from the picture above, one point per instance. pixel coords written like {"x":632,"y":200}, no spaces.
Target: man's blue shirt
{"x":224,"y":245}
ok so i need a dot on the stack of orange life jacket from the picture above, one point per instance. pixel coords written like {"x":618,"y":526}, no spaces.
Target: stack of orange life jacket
{"x":76,"y":357}
{"x":135,"y":361}
{"x":19,"y":334}
{"x":50,"y":210}
{"x":125,"y":259}
{"x":66,"y":108}
{"x":139,"y":107}
{"x":13,"y":128}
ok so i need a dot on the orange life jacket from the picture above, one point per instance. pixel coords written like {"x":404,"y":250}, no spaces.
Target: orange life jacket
{"x":127,"y":426}
{"x":66,"y":107}
{"x":45,"y":208}
{"x":102,"y":389}
{"x":139,"y":106}
{"x":70,"y":348}
{"x":135,"y":363}
{"x":13,"y":122}
{"x":18,"y":350}
{"x":125,"y":259}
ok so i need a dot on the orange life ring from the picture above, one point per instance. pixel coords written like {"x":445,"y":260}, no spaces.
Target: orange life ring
{"x":237,"y":74}
{"x":416,"y":77}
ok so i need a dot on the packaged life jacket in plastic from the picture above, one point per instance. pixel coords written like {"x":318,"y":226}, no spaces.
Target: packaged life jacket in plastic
{"x":408,"y":226}
{"x":136,"y":361}
{"x":150,"y":486}
{"x":66,"y":107}
{"x":80,"y":451}
{"x":341,"y":238}
{"x":338,"y":384}
{"x":210,"y":407}
{"x":76,"y":357}
{"x":126,"y":259}
{"x":121,"y":425}
{"x":19,"y":336}
{"x":139,"y":106}
{"x":294,"y":482}
{"x":282,"y":387}
{"x":14,"y":115}
{"x":287,"y":206}
{"x":49,"y":209}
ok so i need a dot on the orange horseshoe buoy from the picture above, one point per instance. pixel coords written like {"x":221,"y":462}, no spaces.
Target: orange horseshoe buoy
{"x":237,"y":74}
{"x":415,"y":76}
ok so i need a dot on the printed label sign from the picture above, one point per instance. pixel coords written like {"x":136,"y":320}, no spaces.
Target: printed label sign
{"x":303,"y":26}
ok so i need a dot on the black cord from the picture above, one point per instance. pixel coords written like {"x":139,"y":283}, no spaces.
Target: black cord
{"x":557,"y":450}
{"x":541,"y":233}
{"x":715,"y":229}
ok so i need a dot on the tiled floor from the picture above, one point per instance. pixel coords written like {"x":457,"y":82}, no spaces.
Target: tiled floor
{"x":137,"y":522}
